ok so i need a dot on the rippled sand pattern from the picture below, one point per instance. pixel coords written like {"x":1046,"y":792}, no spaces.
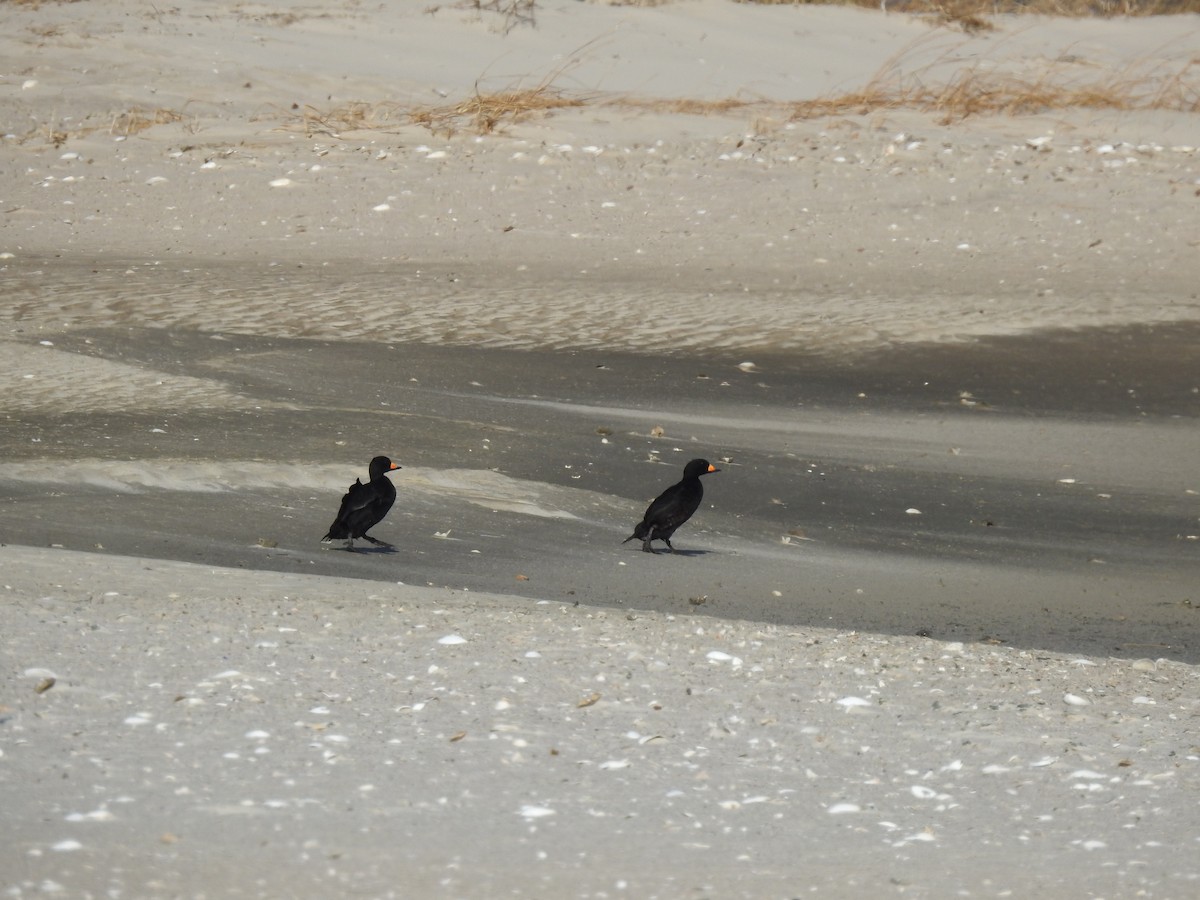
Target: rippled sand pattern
{"x":522,"y":310}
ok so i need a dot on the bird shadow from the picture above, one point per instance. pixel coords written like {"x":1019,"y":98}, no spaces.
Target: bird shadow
{"x":666,"y":552}
{"x":366,"y":550}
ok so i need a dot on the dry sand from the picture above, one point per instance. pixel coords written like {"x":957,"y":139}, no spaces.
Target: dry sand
{"x":935,"y":630}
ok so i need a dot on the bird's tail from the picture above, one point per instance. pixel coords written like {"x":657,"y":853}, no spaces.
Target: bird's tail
{"x":337,"y":532}
{"x":639,"y":533}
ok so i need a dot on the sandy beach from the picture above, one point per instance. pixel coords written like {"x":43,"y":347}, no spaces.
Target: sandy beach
{"x":933,"y":631}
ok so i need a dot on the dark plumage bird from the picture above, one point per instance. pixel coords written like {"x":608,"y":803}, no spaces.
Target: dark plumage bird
{"x":672,"y":507}
{"x":365,"y":505}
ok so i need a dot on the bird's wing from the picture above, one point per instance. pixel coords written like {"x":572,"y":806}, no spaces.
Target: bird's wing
{"x":359,"y":496}
{"x":664,"y":502}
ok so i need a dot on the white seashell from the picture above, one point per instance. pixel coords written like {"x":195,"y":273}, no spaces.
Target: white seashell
{"x":1086,"y":773}
{"x":281,"y":182}
{"x":452,"y":639}
{"x":1093,"y":845}
{"x":994,"y":770}
{"x":923,"y":793}
{"x":96,"y":815}
{"x":209,"y":165}
{"x":157,"y":179}
{"x":29,"y":84}
{"x":1145,"y":701}
{"x":748,"y":367}
{"x":382,"y":207}
{"x":258,"y":734}
{"x":1043,"y":762}
{"x":913,"y":511}
{"x":841,"y":808}
{"x":1066,"y":481}
{"x":535,"y":812}
{"x":720,"y":656}
{"x":614,"y":764}
{"x":66,"y":846}
{"x":849,"y":702}
{"x":437,"y":154}
{"x":1037,"y":142}
{"x":1076,"y":700}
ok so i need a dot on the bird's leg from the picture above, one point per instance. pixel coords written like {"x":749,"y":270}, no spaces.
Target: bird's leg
{"x":350,"y":545}
{"x":377,"y":542}
{"x":670,"y":546}
{"x":646,"y":548}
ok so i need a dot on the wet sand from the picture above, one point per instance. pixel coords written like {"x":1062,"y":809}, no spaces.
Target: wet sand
{"x":915,"y":492}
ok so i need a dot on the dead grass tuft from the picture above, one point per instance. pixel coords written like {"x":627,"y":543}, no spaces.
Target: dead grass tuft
{"x":136,"y":120}
{"x":123,"y":124}
{"x":357,"y":116}
{"x":485,"y":112}
{"x":976,"y":92}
